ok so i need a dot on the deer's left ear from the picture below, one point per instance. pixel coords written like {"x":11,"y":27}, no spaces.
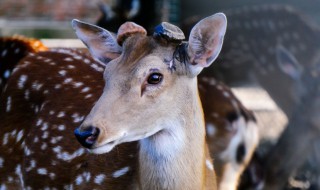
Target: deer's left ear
{"x":101,"y":43}
{"x":205,"y":41}
{"x":287,"y":63}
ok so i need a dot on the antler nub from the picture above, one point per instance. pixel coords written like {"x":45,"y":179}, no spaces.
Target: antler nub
{"x":127,"y":29}
{"x":169,"y":31}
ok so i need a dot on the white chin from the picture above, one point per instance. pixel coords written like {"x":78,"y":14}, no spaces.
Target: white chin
{"x":102,"y":149}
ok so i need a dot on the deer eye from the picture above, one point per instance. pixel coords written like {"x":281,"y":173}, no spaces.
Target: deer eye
{"x":155,"y":78}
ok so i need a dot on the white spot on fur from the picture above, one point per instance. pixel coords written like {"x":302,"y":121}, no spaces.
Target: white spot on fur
{"x":219,"y":87}
{"x":13,"y":133}
{"x":68,"y":59}
{"x":45,"y":135}
{"x":77,"y":84}
{"x":44,"y":146}
{"x":8,"y":104}
{"x":61,"y":114}
{"x":6,"y":74}
{"x":55,"y":140}
{"x":85,"y":176}
{"x":52,"y":176}
{"x":4,"y":53}
{"x":61,"y":127}
{"x":78,"y":119}
{"x":47,"y":60}
{"x":211,"y":129}
{"x":45,"y":126}
{"x":62,"y":73}
{"x":99,"y":179}
{"x":71,"y":67}
{"x":36,"y":85}
{"x":212,"y":82}
{"x":67,"y":80}
{"x":209,"y":165}
{"x":3,"y":187}
{"x":86,"y":61}
{"x":57,"y":86}
{"x":88,"y":96}
{"x":226,"y":94}
{"x":1,"y":162}
{"x":79,"y":180}
{"x":19,"y":136}
{"x":27,"y":151}
{"x":215,"y":115}
{"x":120,"y":172}
{"x":39,"y":122}
{"x":19,"y":173}
{"x":42,"y":171}
{"x":86,"y":89}
{"x":5,"y":139}
{"x":32,"y":165}
{"x":27,"y":94}
{"x":67,"y":156}
{"x":10,"y":179}
{"x":77,"y":57}
{"x":16,"y":51}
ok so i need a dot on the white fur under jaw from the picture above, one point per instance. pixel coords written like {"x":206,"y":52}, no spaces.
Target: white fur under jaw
{"x":107,"y":146}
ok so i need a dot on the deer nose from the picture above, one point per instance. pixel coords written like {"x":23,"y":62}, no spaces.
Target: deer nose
{"x":88,"y":136}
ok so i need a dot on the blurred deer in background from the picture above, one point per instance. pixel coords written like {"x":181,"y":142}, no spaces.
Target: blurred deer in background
{"x":252,"y":51}
{"x":301,"y":137}
{"x":71,"y":76}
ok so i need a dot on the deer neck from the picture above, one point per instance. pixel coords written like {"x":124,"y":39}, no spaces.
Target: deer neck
{"x":174,"y":157}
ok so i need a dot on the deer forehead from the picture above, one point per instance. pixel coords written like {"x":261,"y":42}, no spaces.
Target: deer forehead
{"x":141,"y":54}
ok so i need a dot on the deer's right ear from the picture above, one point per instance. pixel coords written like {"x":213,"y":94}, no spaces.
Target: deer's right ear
{"x":101,"y":43}
{"x":288,"y":63}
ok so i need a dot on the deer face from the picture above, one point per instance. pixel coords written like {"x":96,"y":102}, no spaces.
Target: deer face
{"x":303,"y":79}
{"x":134,"y":102}
{"x":147,"y":88}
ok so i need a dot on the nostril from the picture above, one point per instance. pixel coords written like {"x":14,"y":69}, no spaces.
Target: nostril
{"x":88,"y":136}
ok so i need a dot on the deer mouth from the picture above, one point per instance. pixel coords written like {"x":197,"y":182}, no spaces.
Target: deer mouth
{"x":108,"y":145}
{"x":104,"y":148}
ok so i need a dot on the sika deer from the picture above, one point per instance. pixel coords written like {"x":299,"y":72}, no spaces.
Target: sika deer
{"x":43,"y":117}
{"x":152,"y":97}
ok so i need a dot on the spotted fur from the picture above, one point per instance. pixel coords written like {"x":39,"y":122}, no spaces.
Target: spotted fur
{"x":12,"y":50}
{"x":37,"y":145}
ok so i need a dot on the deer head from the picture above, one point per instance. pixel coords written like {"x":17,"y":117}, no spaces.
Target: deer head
{"x":151,"y":85}
{"x":303,"y":79}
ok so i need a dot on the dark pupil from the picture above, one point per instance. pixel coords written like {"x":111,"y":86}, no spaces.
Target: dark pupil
{"x":155,"y":78}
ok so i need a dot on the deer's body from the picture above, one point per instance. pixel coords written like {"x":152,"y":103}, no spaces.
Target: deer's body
{"x":41,"y":138}
{"x":175,"y":157}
